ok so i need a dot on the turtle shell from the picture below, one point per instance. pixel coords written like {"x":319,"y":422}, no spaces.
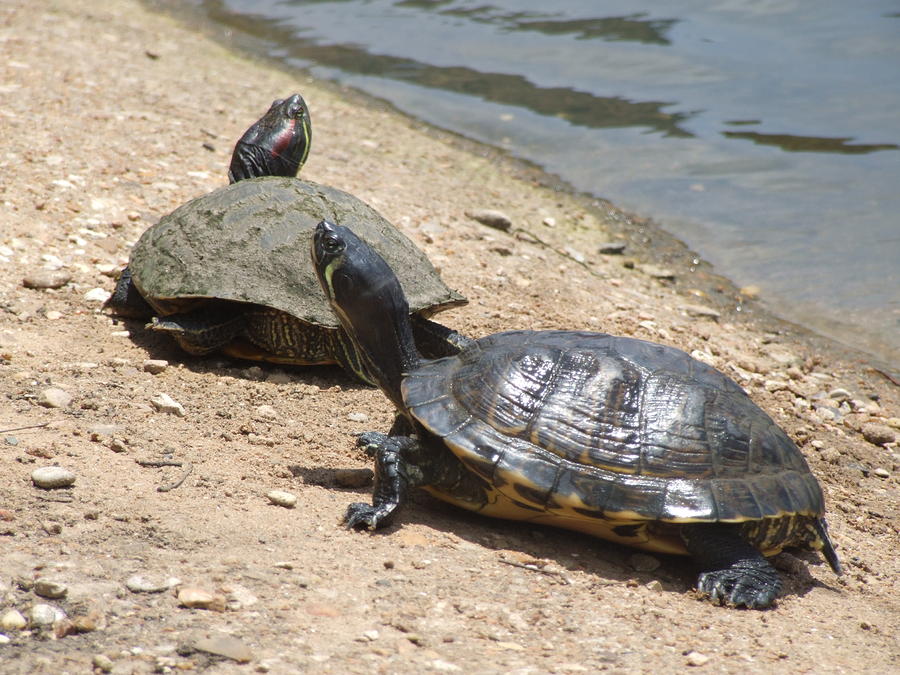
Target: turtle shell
{"x":589,"y":427}
{"x":250,"y":241}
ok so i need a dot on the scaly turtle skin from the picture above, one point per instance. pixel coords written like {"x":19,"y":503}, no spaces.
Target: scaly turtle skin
{"x":623,"y":439}
{"x":230,"y":272}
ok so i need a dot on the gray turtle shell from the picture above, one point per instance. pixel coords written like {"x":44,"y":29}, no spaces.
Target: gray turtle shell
{"x":249,"y":242}
{"x":592,"y":425}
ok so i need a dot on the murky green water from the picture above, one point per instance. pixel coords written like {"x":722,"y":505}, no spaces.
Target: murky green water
{"x":764,"y":134}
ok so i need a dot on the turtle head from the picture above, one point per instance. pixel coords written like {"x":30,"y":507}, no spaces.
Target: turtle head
{"x":368,"y":300}
{"x":277,"y":145}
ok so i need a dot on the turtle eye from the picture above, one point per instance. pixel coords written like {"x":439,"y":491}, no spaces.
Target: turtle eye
{"x":296,"y":112}
{"x":333,"y":244}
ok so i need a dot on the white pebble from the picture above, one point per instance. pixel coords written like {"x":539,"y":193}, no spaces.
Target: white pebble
{"x":97,"y":295}
{"x":267,"y":412}
{"x":49,"y":477}
{"x":166,"y":404}
{"x":358,"y":417}
{"x":45,"y":615}
{"x":281,"y":498}
{"x":141,"y":584}
{"x":54,"y":397}
{"x":697,"y":659}
{"x":13,"y":620}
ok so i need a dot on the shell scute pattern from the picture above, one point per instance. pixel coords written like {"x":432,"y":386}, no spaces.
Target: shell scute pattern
{"x":579,"y":425}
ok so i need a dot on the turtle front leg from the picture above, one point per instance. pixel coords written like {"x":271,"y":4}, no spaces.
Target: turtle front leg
{"x":126,"y":300}
{"x":393,"y":480}
{"x":204,"y":330}
{"x":733,"y":571}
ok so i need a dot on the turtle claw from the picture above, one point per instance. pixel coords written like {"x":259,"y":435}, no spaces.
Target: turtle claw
{"x":741,"y":586}
{"x":361,"y":516}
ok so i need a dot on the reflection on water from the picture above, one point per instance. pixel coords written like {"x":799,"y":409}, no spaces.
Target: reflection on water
{"x":810,"y":143}
{"x":652,"y":105}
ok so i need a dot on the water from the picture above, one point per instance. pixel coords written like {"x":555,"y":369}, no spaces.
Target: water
{"x":764,"y":134}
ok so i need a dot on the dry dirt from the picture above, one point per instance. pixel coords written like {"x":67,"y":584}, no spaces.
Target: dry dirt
{"x":112,"y":116}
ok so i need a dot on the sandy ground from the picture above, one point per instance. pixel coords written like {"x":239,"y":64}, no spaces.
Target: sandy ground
{"x":111,"y":117}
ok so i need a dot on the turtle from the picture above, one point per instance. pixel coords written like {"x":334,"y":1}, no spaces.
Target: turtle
{"x":627,"y":440}
{"x":229,"y":271}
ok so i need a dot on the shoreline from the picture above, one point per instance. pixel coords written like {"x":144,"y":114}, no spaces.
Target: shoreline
{"x":115,"y":116}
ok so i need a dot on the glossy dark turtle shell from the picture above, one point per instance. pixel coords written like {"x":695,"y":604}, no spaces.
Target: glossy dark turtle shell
{"x":585,"y":426}
{"x":249,"y":242}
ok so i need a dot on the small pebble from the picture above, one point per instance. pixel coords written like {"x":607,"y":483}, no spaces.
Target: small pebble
{"x":750,"y":291}
{"x":52,"y":590}
{"x":697,"y":659}
{"x":138,"y":583}
{"x":103,"y":663}
{"x":642,"y":562}
{"x":117,"y":445}
{"x":657,"y":272}
{"x":701,"y":311}
{"x":878,"y":434}
{"x":155,"y":366}
{"x":654,"y":586}
{"x":279,"y":377}
{"x":166,"y":404}
{"x":98,"y":431}
{"x":831,"y":455}
{"x":45,"y":615}
{"x":100,"y":295}
{"x":353,"y":478}
{"x":53,"y":315}
{"x":281,"y":498}
{"x":50,"y":477}
{"x":198,"y":598}
{"x":358,"y":417}
{"x":549,"y":221}
{"x":882,"y":472}
{"x":87,"y":623}
{"x":267,"y":412}
{"x":54,"y":397}
{"x":4,"y":639}
{"x":492,"y":218}
{"x":13,"y":620}
{"x":613,"y":248}
{"x":46,"y":279}
{"x":225,"y":645}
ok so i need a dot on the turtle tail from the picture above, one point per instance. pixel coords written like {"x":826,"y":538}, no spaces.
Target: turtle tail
{"x":827,"y":547}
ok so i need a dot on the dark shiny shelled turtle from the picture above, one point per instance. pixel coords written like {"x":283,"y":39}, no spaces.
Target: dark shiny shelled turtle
{"x":230,"y":271}
{"x":627,"y":440}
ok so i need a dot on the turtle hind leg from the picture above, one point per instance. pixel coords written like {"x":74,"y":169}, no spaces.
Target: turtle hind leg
{"x":733,"y":571}
{"x":204,"y":330}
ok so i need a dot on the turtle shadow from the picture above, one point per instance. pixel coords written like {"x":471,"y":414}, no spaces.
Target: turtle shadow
{"x":160,"y":346}
{"x":565,"y":555}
